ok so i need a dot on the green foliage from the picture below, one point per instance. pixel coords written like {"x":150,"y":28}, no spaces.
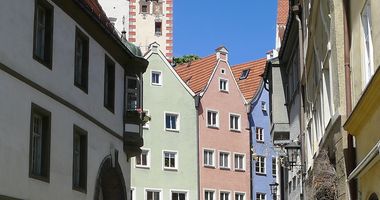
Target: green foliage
{"x":185,"y":59}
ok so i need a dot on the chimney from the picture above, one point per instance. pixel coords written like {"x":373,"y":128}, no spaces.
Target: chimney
{"x":222,"y":53}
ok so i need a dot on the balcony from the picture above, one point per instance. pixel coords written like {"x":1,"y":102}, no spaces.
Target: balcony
{"x":133,"y":137}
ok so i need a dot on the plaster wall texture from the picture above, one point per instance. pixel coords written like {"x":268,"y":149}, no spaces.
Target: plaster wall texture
{"x":15,"y":112}
{"x":60,"y":79}
{"x":221,"y":138}
{"x":171,"y":96}
{"x":119,"y":10}
{"x":260,"y":119}
{"x":358,"y":48}
{"x":279,"y":112}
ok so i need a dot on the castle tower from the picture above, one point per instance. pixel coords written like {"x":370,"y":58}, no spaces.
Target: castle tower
{"x":144,"y":21}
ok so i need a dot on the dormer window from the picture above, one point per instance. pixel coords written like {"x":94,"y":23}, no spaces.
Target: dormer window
{"x":223,"y":85}
{"x":244,"y":74}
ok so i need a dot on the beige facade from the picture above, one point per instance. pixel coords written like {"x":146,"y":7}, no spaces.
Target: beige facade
{"x":362,"y":123}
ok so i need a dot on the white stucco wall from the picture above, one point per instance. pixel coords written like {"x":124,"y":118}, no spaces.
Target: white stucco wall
{"x":16,"y":97}
{"x":60,"y":79}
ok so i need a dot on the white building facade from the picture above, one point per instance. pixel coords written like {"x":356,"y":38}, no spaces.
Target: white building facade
{"x":62,"y":82}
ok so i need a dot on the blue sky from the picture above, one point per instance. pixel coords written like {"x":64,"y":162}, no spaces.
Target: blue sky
{"x":245,"y":28}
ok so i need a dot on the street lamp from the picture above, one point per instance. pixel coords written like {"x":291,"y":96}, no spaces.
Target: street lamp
{"x":273,"y":190}
{"x":292,"y":152}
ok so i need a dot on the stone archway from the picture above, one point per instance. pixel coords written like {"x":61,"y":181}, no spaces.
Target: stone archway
{"x":110,"y":183}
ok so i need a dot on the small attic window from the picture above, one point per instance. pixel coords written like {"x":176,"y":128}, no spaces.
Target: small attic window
{"x":223,"y":71}
{"x":244,"y":74}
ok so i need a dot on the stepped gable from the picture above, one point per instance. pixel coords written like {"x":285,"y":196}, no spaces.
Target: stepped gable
{"x":196,"y":74}
{"x":250,"y":85}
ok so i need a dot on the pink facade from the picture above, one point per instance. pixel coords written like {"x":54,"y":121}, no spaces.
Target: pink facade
{"x":222,"y":139}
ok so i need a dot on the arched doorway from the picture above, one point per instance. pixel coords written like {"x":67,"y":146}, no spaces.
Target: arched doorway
{"x":373,"y":197}
{"x":110,"y":183}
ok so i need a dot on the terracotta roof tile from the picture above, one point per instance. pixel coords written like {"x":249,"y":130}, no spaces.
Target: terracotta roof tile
{"x":282,"y":11}
{"x":197,"y":73}
{"x":249,"y":85}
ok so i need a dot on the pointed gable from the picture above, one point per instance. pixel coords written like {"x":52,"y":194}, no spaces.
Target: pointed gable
{"x":196,"y":74}
{"x":249,"y":85}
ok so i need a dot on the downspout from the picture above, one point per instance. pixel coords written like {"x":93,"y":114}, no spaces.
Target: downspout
{"x":197,"y":100}
{"x":297,"y":12}
{"x":350,"y":155}
{"x":250,"y":151}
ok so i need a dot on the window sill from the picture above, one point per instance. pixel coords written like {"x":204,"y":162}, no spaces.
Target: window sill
{"x":172,"y":130}
{"x":170,"y":169}
{"x":79,"y":189}
{"x":142,"y":167}
{"x":213,"y":127}
{"x":224,"y":168}
{"x":239,"y":170}
{"x":157,"y":84}
{"x":209,"y":166}
{"x":260,"y":141}
{"x":235,"y":130}
{"x":40,"y":178}
{"x":224,"y":91}
{"x":261,"y":174}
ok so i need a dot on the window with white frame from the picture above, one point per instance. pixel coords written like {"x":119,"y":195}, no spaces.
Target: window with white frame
{"x":178,"y":195}
{"x":153,"y":195}
{"x":212,"y":118}
{"x":234,"y":122}
{"x":224,"y":195}
{"x":156,"y":78}
{"x":239,"y":161}
{"x":222,"y":71}
{"x":170,"y":160}
{"x":260,"y":165}
{"x":224,"y":158}
{"x":209,"y":195}
{"x":172,"y":121}
{"x":142,"y":160}
{"x":367,"y":40}
{"x":259,"y":134}
{"x":223,"y":85}
{"x":260,"y":196}
{"x":274,"y":167}
{"x":208,"y":157}
{"x":239,"y":196}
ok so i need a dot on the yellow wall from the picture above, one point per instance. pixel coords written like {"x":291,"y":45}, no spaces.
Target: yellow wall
{"x":357,"y":50}
{"x":370,"y":182}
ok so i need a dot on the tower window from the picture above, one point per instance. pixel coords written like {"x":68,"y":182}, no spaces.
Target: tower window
{"x":158,"y":28}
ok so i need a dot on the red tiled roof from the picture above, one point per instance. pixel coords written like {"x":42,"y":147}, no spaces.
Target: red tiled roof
{"x":282,"y":11}
{"x":96,"y":8}
{"x":250,"y":85}
{"x":197,"y":73}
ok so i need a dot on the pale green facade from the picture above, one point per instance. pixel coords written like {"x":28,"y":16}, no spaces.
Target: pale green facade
{"x":171,"y":96}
